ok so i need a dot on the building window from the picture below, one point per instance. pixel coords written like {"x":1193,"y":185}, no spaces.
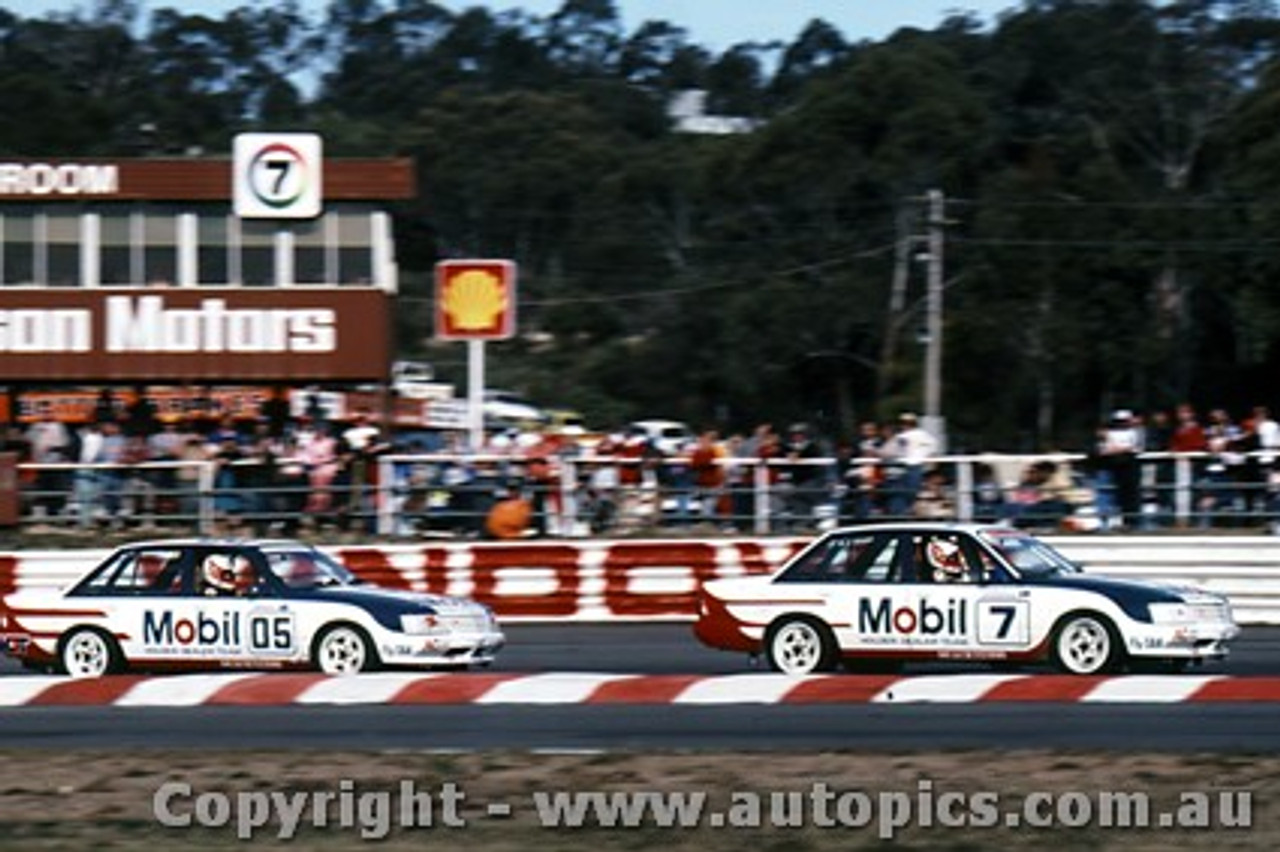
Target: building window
{"x":257,"y":253}
{"x":355,"y":246}
{"x":116,"y":267}
{"x":17,"y":265}
{"x":215,"y":250}
{"x":160,"y":247}
{"x":310,"y":264}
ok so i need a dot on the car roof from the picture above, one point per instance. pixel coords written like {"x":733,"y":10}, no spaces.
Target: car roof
{"x":926,"y":526}
{"x":213,"y":542}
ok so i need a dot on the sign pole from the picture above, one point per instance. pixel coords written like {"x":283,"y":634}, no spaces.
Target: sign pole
{"x":475,"y":394}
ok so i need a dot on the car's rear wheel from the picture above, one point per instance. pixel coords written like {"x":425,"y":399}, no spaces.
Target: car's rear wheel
{"x":800,"y":646}
{"x":86,"y":652}
{"x":344,"y":649}
{"x":1085,"y":644}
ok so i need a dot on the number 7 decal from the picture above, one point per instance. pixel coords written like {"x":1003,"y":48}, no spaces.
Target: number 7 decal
{"x":1003,"y":622}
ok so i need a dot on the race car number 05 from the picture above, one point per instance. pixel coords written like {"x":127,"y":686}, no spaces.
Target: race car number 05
{"x":1003,"y":622}
{"x":271,"y":634}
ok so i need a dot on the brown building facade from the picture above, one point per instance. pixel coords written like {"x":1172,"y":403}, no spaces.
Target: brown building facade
{"x":141,"y":271}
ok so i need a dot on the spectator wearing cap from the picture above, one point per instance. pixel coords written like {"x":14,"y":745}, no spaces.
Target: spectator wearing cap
{"x":1118,"y":447}
{"x":908,"y":450}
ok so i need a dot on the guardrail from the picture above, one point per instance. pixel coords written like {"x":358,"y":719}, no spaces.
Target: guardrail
{"x":408,"y":496}
{"x":602,"y":580}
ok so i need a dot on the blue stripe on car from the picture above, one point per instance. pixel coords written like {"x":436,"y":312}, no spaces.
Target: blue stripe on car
{"x":1132,"y":597}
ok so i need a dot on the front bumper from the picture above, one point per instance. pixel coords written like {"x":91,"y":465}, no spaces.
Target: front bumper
{"x":452,"y":649}
{"x":1191,"y":641}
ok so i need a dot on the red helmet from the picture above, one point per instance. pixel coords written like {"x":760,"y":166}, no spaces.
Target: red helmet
{"x":225,"y":572}
{"x":946,"y":559}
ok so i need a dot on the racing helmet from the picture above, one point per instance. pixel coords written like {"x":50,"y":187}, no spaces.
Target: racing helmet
{"x":945,"y":559}
{"x":225,"y":572}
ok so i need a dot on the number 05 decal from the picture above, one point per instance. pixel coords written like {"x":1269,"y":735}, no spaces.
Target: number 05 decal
{"x":271,"y":634}
{"x":1004,"y":622}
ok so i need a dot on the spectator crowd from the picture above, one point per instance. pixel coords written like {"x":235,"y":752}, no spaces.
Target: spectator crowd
{"x":282,"y":471}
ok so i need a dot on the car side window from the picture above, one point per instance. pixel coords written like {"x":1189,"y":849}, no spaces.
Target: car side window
{"x":138,"y":572}
{"x":843,"y":559}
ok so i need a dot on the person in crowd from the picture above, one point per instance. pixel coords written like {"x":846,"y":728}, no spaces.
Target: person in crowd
{"x":805,"y":478}
{"x":989,"y":503}
{"x":111,"y":478}
{"x":907,"y":452}
{"x":140,"y":418}
{"x":1188,"y":435}
{"x":1220,"y":494}
{"x":1038,"y":499}
{"x":363,"y":443}
{"x":88,"y":480}
{"x":51,"y":443}
{"x":137,"y":490}
{"x":320,"y":457}
{"x":739,"y":475}
{"x":934,"y":501}
{"x":1119,"y":443}
{"x":230,"y":499}
{"x":275,"y":411}
{"x":193,"y":456}
{"x":105,"y":407}
{"x":708,"y":473}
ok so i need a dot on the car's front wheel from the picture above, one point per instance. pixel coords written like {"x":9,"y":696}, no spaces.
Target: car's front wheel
{"x":86,"y":652}
{"x":344,"y":649}
{"x":1085,"y":644}
{"x":800,"y":646}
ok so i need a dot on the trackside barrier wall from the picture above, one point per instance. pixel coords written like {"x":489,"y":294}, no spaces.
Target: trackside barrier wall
{"x":602,"y":580}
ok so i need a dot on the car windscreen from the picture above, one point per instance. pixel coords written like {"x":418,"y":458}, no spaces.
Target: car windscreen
{"x":304,"y":568}
{"x":1028,"y":555}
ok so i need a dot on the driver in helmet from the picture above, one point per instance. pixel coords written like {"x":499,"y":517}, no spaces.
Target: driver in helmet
{"x":945,"y":561}
{"x":226,"y":574}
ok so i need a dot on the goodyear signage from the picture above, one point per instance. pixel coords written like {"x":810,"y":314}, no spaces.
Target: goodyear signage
{"x":475,"y":299}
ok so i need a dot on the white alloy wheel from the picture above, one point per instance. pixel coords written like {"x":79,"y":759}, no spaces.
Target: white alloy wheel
{"x":343,"y":650}
{"x":798,"y":647}
{"x":88,"y":653}
{"x":1084,"y":645}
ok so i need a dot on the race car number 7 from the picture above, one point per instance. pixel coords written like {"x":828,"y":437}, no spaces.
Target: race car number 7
{"x":1003,"y":622}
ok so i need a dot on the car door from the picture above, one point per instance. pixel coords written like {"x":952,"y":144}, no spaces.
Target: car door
{"x":195,"y":621}
{"x":925,"y":594}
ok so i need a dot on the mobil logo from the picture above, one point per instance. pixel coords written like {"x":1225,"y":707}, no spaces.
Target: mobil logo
{"x":165,"y":628}
{"x":926,"y":618}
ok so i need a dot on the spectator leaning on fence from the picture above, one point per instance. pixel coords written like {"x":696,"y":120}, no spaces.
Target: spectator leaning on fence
{"x":907,"y":452}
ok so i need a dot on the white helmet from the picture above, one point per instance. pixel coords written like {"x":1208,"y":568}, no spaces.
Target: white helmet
{"x":947,"y":562}
{"x":225,"y":572}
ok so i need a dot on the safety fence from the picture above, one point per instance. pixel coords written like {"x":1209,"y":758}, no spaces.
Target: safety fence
{"x":610,"y":580}
{"x":413,"y":496}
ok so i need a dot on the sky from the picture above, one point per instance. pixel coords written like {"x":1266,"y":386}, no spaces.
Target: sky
{"x":715,"y":24}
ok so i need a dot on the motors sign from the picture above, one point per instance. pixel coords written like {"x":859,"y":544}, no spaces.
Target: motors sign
{"x":206,"y":334}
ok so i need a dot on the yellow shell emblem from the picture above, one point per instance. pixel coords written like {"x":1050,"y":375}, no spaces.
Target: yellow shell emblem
{"x":474,"y":300}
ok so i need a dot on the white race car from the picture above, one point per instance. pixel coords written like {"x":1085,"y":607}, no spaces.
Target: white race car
{"x":932,"y":591}
{"x":238,"y":604}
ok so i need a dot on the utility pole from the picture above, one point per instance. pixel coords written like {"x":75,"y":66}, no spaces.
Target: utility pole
{"x":933,"y":316}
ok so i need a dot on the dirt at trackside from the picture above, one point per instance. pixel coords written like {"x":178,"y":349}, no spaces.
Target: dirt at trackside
{"x":104,"y":799}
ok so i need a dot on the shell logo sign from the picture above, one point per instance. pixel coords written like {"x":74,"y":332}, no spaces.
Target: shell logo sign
{"x":475,"y":299}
